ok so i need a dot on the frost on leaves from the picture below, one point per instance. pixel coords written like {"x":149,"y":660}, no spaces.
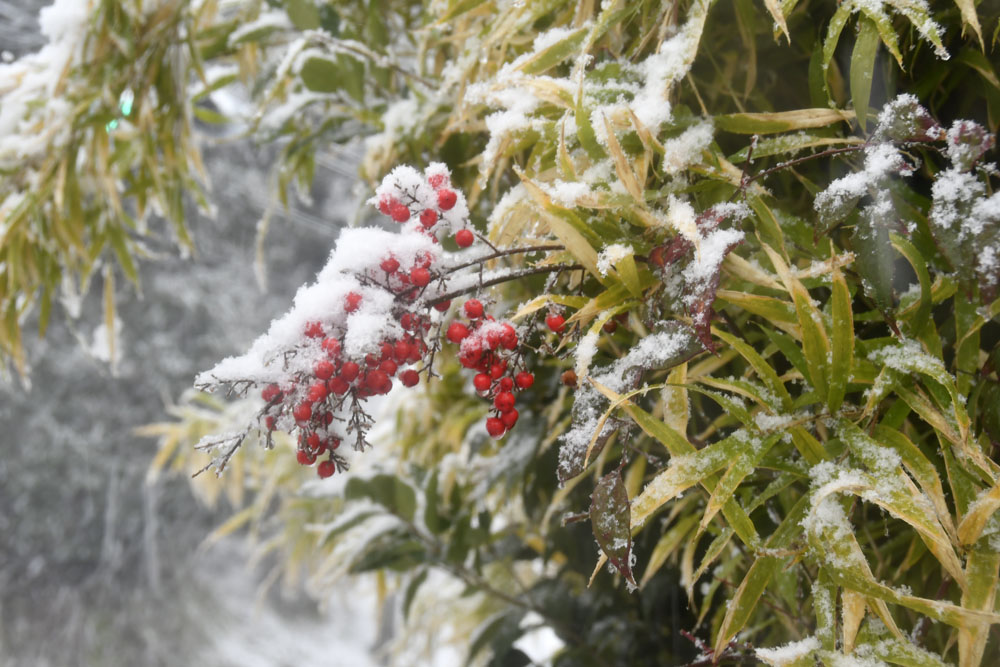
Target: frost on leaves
{"x":610,"y":517}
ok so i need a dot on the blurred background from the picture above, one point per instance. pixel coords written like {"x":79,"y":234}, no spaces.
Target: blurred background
{"x":98,"y":564}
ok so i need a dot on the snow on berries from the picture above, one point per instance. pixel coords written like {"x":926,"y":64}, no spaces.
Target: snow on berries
{"x":372,"y":320}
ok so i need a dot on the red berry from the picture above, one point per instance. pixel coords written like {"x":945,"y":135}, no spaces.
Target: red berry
{"x":313,"y":440}
{"x":331,"y":346}
{"x":314,"y":330}
{"x":389,"y":367}
{"x":271,"y":392}
{"x":555,"y":322}
{"x":349,"y":371}
{"x":385,"y":204}
{"x":506,"y":384}
{"x":317,"y":392}
{"x":509,"y":337}
{"x":327,"y":418}
{"x":509,"y":418}
{"x":323,"y":370}
{"x":333,"y":443}
{"x":457,"y":332}
{"x":424,"y":260}
{"x":438,"y":181}
{"x":442,"y":306}
{"x":482,"y":382}
{"x":406,"y":321}
{"x":495,"y":427}
{"x":338,"y":386}
{"x":504,"y":401}
{"x":610,"y":326}
{"x":416,"y":352}
{"x":305,"y":457}
{"x":496,"y":370}
{"x":428,"y":218}
{"x":409,"y":378}
{"x":390,"y":264}
{"x":326,"y":469}
{"x":399,"y":212}
{"x":446,"y":199}
{"x":352,"y":301}
{"x":492,"y":338}
{"x":270,"y":422}
{"x":524,"y":379}
{"x":420,"y":277}
{"x":464,"y":238}
{"x":473,"y":309}
{"x":302,"y":412}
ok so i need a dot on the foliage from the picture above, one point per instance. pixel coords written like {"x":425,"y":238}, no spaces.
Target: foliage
{"x":781,"y":290}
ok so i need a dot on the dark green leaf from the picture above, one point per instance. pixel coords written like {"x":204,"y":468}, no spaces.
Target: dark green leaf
{"x":610,"y":516}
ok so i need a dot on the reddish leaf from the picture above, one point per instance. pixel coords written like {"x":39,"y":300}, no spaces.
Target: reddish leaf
{"x":611,"y":516}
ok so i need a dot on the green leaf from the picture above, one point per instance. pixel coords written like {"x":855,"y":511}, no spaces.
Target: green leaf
{"x":764,"y":370}
{"x":321,"y":75}
{"x":610,"y":517}
{"x":303,"y":14}
{"x":863,"y":67}
{"x":841,"y":343}
{"x":873,"y":250}
{"x":752,"y":450}
{"x":781,"y":121}
{"x":388,"y":490}
{"x":833,"y":30}
{"x":555,"y":53}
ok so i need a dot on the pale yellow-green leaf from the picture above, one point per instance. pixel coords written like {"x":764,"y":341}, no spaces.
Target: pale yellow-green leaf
{"x":781,"y":121}
{"x":841,"y":343}
{"x":979,"y":594}
{"x":971,"y":527}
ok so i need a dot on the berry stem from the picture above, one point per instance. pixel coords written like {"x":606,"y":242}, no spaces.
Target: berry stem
{"x":506,"y":278}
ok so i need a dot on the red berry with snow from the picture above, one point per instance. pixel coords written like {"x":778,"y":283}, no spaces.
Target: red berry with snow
{"x":438,"y":181}
{"x":317,"y":392}
{"x":349,"y":371}
{"x":305,"y":457}
{"x":509,"y":337}
{"x":323,"y":369}
{"x":457,"y":332}
{"x":352,"y":302}
{"x":442,"y":306}
{"x":495,"y":427}
{"x":338,"y":386}
{"x":399,"y":212}
{"x":302,"y":412}
{"x":464,"y":238}
{"x":390,"y":265}
{"x":331,"y":346}
{"x":473,"y":309}
{"x":314,"y":330}
{"x":555,"y":322}
{"x":446,"y":199}
{"x":271,"y":392}
{"x":428,"y":218}
{"x":420,"y":277}
{"x":509,"y":418}
{"x":326,"y":469}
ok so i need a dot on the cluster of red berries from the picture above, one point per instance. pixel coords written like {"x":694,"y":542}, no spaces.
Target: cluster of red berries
{"x":445,"y":198}
{"x":491,"y":348}
{"x":335,"y":383}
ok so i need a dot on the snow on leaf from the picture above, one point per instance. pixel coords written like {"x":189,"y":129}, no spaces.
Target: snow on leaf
{"x":610,"y":516}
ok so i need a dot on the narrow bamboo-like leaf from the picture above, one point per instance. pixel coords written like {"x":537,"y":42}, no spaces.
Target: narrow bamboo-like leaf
{"x":980,"y":593}
{"x":834,"y":28}
{"x":764,"y":370}
{"x":921,"y":468}
{"x":919,"y":317}
{"x":768,"y":307}
{"x":971,"y":527}
{"x":971,"y":19}
{"x":667,"y":545}
{"x":852,"y":613}
{"x":778,"y":16}
{"x":780,"y":121}
{"x":554,"y":54}
{"x":886,"y":31}
{"x":676,"y":407}
{"x":585,"y":133}
{"x":751,"y":451}
{"x":457,"y":8}
{"x":841,"y":343}
{"x":758,"y":577}
{"x":863,"y":67}
{"x":610,"y":517}
{"x":824,"y":602}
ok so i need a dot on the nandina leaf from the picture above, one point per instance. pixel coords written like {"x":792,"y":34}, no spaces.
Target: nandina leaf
{"x":875,"y":257}
{"x":611,"y":516}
